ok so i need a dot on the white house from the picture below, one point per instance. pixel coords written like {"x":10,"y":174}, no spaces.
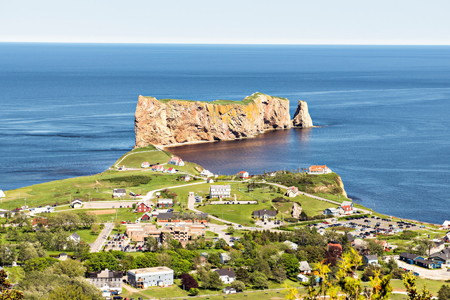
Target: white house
{"x":206,"y":173}
{"x":304,"y":267}
{"x":347,"y":203}
{"x":77,"y":203}
{"x":158,"y":168}
{"x":209,"y":180}
{"x":292,"y":191}
{"x":145,"y":277}
{"x":331,"y":212}
{"x":74,"y":237}
{"x":220,"y":191}
{"x":243,"y":174}
{"x":446,"y":223}
{"x":176,"y":161}
{"x":345,"y":210}
{"x":224,"y":258}
{"x":145,"y":164}
{"x":62,"y":256}
{"x":171,"y":170}
{"x":318,"y":170}
{"x":291,"y":245}
{"x":226,"y":275}
{"x":229,"y":290}
{"x":2,"y":194}
{"x":119,"y":192}
{"x":302,"y":278}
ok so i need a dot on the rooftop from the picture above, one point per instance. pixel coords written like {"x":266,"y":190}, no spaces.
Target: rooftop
{"x":151,"y":270}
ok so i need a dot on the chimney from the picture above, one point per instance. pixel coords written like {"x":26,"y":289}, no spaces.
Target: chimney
{"x":229,"y":269}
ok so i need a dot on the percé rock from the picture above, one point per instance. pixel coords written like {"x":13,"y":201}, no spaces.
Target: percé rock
{"x":170,"y":122}
{"x":301,"y":117}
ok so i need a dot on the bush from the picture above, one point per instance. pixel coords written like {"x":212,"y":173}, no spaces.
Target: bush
{"x":133,"y":180}
{"x":193,"y":292}
{"x":279,"y":199}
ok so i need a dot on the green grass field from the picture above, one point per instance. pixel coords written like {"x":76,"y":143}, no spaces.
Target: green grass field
{"x":87,"y":235}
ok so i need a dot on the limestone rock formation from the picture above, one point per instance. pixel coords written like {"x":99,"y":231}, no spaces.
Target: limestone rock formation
{"x":170,"y":122}
{"x":296,"y":210}
{"x":301,"y":117}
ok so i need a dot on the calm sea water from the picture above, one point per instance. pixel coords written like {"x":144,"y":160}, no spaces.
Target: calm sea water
{"x":68,"y":110}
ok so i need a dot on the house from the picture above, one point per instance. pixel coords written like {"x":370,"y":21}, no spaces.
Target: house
{"x":2,"y":194}
{"x":302,"y":278}
{"x":304,"y":267}
{"x":164,"y":217}
{"x":317,"y":170}
{"x":384,"y":244}
{"x":331,"y":212}
{"x":206,"y":173}
{"x":444,"y":225}
{"x":119,"y":193}
{"x":186,"y":178}
{"x":74,"y":237}
{"x":145,"y":277}
{"x":107,"y":280}
{"x":371,"y":259}
{"x":347,"y":203}
{"x":143,"y":207}
{"x":226,"y":275}
{"x":224,"y":258}
{"x":219,"y":191}
{"x":292,"y":191}
{"x":243,"y":175}
{"x":77,"y":203}
{"x":429,"y":264}
{"x":264,"y":214}
{"x":146,"y":217}
{"x":164,"y":203}
{"x":209,"y":180}
{"x":176,"y":161}
{"x":409,"y":258}
{"x":438,"y":245}
{"x":158,"y":168}
{"x":345,"y":210}
{"x":62,"y":256}
{"x":145,"y":164}
{"x":351,"y":238}
{"x":171,"y":170}
{"x":441,"y":258}
{"x":291,"y":245}
{"x":229,"y":290}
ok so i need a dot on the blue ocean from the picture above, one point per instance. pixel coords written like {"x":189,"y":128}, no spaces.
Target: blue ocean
{"x":382,"y":113}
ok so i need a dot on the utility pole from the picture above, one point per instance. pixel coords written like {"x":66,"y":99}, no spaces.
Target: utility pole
{"x":89,"y":196}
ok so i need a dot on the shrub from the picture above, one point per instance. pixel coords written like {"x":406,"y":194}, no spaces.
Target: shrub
{"x":193,"y":292}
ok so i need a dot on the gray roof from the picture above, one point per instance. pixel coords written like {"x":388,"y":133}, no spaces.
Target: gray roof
{"x":75,"y":235}
{"x":226,"y":272}
{"x":164,"y":216}
{"x":109,"y":274}
{"x":442,"y":255}
{"x":304,"y":266}
{"x":409,"y":255}
{"x":424,"y":262}
{"x":262,"y":212}
{"x":371,"y":257}
{"x":120,"y":191}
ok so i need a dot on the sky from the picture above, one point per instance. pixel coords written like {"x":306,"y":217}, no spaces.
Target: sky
{"x":389,"y":22}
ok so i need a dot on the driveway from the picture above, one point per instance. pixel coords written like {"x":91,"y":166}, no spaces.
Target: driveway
{"x":101,"y":239}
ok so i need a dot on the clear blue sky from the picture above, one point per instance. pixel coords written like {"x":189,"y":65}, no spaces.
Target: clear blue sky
{"x":225,"y":22}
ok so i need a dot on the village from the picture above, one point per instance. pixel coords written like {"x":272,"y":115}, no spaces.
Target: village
{"x":198,"y":235}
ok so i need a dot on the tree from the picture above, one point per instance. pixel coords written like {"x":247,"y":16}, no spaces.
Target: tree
{"x":39,"y":264}
{"x":409,"y":280}
{"x":164,"y":259}
{"x":7,"y":255}
{"x":239,"y":286}
{"x":69,"y":267}
{"x":193,"y":292}
{"x":214,"y":259}
{"x":70,"y":292}
{"x":211,"y":280}
{"x":152,"y":244}
{"x":5,"y":288}
{"x":291,"y":264}
{"x":444,"y":293}
{"x":243,"y":276}
{"x":188,"y":282}
{"x":95,"y":228}
{"x":259,"y":280}
{"x":279,"y":273}
{"x":231,"y":230}
{"x":180,"y":266}
{"x":375,"y":248}
{"x":29,"y":251}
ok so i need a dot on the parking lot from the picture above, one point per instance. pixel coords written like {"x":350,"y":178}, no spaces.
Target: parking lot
{"x":364,"y":226}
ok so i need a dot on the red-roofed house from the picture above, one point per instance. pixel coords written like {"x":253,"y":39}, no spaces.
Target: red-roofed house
{"x":243,"y":174}
{"x":145,"y":164}
{"x":171,"y":170}
{"x":176,"y":161}
{"x":146,"y":217}
{"x":345,"y":210}
{"x":143,"y":207}
{"x":317,"y":170}
{"x":158,"y":168}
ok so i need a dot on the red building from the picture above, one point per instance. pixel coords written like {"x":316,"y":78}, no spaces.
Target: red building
{"x":146,"y":217}
{"x":143,"y":207}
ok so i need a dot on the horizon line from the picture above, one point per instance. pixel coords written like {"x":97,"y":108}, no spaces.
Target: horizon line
{"x":201,"y":43}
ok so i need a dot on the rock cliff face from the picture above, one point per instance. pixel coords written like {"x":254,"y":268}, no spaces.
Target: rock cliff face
{"x":171,"y":122}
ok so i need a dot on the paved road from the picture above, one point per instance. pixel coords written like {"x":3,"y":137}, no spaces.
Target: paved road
{"x":97,"y":245}
{"x":438,"y":274}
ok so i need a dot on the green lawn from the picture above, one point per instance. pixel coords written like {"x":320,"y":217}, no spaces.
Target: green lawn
{"x":136,"y":157}
{"x":15,"y":274}
{"x":87,"y":235}
{"x":432,"y":285}
{"x":241,"y":214}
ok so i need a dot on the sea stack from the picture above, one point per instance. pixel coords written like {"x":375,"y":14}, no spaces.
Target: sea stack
{"x":169,"y":122}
